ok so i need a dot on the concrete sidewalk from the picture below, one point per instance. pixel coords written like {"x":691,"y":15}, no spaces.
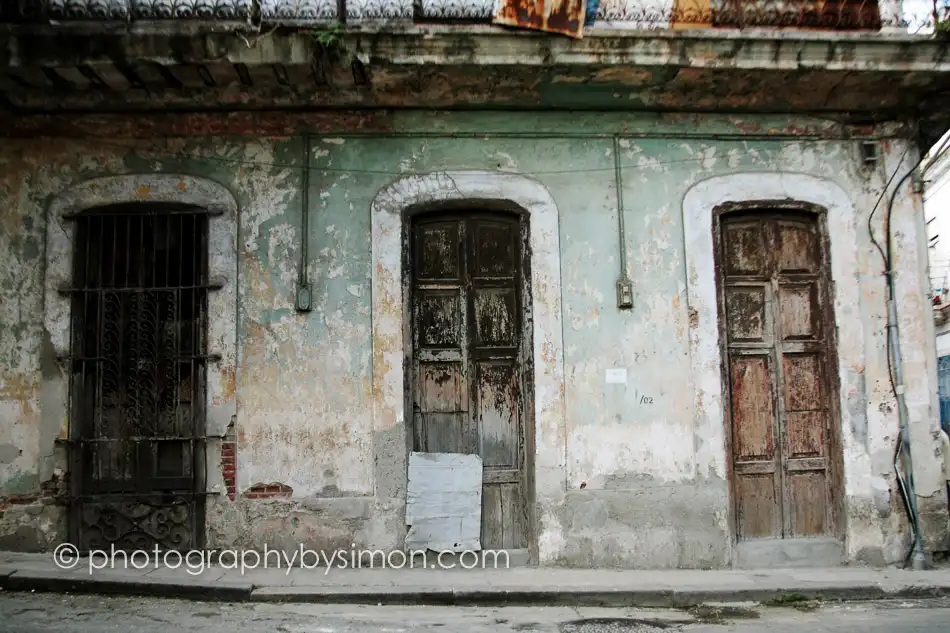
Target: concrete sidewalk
{"x":517,"y":586}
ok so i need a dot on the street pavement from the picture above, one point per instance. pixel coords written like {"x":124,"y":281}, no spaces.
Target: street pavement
{"x":25,"y":612}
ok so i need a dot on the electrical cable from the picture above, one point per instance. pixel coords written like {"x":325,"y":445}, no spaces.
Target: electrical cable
{"x":876,"y":204}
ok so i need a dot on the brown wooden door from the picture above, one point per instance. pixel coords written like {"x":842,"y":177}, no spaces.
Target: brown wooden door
{"x":467,"y":364}
{"x":775,"y":295}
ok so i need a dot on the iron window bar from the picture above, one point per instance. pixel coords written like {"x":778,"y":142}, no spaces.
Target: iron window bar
{"x":144,"y":211}
{"x":214,"y":285}
{"x":138,"y":395}
{"x":211,"y":358}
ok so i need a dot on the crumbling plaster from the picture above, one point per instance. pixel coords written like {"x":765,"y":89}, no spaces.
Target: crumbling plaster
{"x":628,"y":481}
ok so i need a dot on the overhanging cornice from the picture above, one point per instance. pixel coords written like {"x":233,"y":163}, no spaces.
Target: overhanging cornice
{"x":199,"y":67}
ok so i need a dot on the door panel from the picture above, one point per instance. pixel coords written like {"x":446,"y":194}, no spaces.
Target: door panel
{"x":467,"y":363}
{"x":798,"y":250}
{"x":809,"y":503}
{"x":444,"y":406}
{"x":440,"y":319}
{"x":774,"y":289}
{"x":748,"y":309}
{"x":498,"y":422}
{"x":745,"y":251}
{"x":753,"y":408}
{"x":495,"y":316}
{"x":438,"y":256}
{"x":758,"y":514}
{"x":800,"y":320}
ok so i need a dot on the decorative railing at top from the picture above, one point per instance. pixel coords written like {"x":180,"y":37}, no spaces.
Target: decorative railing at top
{"x":643,"y":14}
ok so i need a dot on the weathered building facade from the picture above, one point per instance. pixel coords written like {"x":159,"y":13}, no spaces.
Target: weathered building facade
{"x":636,"y":272}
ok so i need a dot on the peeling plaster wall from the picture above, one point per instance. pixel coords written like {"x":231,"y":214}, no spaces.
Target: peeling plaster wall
{"x":628,"y":474}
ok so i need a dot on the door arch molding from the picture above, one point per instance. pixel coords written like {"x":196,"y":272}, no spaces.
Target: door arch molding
{"x":145,"y":188}
{"x":222,"y":261}
{"x":775,"y":189}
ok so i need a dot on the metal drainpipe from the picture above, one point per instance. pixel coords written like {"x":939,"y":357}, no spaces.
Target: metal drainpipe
{"x":304,"y":298}
{"x":902,"y":455}
{"x":624,"y":284}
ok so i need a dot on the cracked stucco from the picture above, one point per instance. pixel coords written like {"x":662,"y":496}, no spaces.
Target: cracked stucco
{"x":318,"y":396}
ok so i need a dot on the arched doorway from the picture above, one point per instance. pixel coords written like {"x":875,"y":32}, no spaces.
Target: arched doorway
{"x":780,"y":370}
{"x":470,"y":379}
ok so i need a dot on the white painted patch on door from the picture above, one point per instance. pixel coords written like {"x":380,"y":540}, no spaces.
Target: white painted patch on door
{"x":444,"y":502}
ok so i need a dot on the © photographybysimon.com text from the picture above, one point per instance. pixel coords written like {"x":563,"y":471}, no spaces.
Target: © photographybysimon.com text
{"x":196,"y":562}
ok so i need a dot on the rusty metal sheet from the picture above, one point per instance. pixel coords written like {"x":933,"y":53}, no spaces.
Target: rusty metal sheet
{"x":565,"y":17}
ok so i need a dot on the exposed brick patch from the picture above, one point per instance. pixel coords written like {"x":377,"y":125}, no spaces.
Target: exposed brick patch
{"x":55,"y":485}
{"x":19,"y":500}
{"x":50,"y":492}
{"x":229,"y":461}
{"x":6,"y":502}
{"x":268,"y":491}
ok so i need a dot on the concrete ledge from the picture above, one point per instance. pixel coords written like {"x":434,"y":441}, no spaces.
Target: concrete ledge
{"x":405,"y":596}
{"x":472,"y":66}
{"x":227,"y":591}
{"x":487,"y":46}
{"x":643,"y":598}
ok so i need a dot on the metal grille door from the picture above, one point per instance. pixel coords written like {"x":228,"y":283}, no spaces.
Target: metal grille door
{"x":138,"y":359}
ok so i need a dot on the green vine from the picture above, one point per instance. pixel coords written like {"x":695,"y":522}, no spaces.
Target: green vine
{"x":330,"y":39}
{"x":331,"y":51}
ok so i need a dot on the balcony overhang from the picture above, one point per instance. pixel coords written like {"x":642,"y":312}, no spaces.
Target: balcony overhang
{"x":860,"y":77}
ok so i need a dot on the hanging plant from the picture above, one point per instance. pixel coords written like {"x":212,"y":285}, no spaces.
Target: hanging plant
{"x":330,"y":40}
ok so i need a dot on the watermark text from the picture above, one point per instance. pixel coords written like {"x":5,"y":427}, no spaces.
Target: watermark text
{"x":196,"y":562}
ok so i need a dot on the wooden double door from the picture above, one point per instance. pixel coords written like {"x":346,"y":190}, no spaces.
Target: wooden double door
{"x":471,"y":345}
{"x":782,"y":373}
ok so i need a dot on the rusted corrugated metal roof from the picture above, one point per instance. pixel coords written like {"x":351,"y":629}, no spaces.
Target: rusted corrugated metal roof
{"x":554,"y":16}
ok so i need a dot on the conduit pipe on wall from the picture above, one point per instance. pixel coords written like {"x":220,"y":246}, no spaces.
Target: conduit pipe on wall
{"x":624,"y":285}
{"x":902,"y":454}
{"x":304,"y":299}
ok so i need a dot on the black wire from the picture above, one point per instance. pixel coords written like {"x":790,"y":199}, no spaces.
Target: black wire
{"x":887,"y":186}
{"x":887,"y":222}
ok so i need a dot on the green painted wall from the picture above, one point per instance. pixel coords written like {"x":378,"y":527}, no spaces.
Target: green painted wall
{"x":304,"y":383}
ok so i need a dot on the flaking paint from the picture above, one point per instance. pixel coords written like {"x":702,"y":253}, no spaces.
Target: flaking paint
{"x":314,"y":393}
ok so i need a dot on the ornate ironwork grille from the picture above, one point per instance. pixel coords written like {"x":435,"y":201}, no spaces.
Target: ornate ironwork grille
{"x":138,"y":359}
{"x":839,"y":15}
